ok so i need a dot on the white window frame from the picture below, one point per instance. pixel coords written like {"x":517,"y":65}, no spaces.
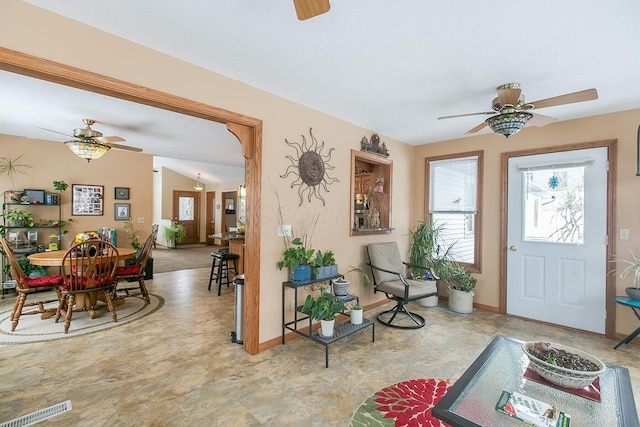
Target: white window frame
{"x":470,"y":226}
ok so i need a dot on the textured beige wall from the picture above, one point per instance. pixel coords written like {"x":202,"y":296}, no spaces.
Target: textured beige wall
{"x":53,"y":161}
{"x":621,"y":126}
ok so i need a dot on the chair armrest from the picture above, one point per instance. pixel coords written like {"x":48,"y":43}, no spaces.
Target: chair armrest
{"x":433,"y":274}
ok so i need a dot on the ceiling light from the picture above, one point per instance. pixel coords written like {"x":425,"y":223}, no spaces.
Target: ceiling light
{"x":508,"y":123}
{"x":198,"y":186}
{"x":87,"y":148}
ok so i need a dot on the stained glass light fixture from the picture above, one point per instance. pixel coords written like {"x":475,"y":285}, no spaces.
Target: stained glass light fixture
{"x":87,"y":148}
{"x":508,"y":123}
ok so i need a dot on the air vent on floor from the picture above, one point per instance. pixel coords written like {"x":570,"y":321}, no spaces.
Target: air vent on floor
{"x":41,"y":415}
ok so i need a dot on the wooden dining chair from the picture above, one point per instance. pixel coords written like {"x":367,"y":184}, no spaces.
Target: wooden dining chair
{"x":88,"y":270}
{"x":26,"y":286}
{"x":135,"y":273}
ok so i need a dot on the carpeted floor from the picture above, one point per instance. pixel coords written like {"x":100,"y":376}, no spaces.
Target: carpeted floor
{"x":185,"y":257}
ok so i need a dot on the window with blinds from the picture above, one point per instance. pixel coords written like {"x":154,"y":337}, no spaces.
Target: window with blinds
{"x":453,"y":195}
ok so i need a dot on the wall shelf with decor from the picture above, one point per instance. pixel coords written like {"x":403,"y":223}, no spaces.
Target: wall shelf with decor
{"x":40,"y":221}
{"x":371,"y":193}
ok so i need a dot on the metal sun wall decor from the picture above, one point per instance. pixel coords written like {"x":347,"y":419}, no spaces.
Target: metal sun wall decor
{"x":374,"y":146}
{"x":310,"y":166}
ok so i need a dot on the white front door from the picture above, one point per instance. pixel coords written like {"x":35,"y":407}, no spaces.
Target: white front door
{"x":556,"y":238}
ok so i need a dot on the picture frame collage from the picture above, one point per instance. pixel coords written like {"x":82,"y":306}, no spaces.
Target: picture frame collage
{"x":89,"y":200}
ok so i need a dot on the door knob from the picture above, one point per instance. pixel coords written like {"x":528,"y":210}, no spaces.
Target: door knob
{"x":513,"y":248}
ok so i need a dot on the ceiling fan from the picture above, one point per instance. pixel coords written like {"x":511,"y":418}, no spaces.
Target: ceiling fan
{"x":306,"y":9}
{"x":91,"y":144}
{"x":513,"y":112}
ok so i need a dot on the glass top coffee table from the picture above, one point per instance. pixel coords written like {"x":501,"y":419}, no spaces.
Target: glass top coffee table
{"x":471,"y":401}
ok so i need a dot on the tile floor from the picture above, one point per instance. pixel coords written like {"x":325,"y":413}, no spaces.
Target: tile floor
{"x":178,"y":366}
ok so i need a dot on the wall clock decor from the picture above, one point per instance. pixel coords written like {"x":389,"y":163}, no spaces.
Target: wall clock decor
{"x":309,"y":166}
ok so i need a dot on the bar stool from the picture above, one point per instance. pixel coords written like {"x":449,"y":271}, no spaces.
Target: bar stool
{"x":221,"y":267}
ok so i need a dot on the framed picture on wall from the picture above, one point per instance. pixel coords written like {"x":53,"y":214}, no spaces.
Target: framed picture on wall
{"x":122,"y":193}
{"x":121,"y":212}
{"x":87,"y":199}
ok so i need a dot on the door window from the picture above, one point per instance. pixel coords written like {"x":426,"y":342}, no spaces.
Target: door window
{"x":554,"y":205}
{"x":186,"y":209}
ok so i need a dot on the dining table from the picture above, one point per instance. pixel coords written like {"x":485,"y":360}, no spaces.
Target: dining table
{"x":54,"y":259}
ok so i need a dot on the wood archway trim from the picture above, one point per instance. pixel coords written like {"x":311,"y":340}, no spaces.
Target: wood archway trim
{"x":248,"y":130}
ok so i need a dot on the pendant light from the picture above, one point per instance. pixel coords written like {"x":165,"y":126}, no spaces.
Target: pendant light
{"x":198,"y":186}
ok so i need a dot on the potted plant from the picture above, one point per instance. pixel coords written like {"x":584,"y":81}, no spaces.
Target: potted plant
{"x":632,"y":268}
{"x":428,"y":255}
{"x":325,"y":309}
{"x":31,"y":270}
{"x":174,"y":234}
{"x":341,"y":284}
{"x":356,"y":313}
{"x":460,"y":287}
{"x":324,"y":265}
{"x":12,"y":167}
{"x":19,"y":218}
{"x":298,"y":259}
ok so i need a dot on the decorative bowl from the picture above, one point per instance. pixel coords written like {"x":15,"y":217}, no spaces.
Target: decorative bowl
{"x":563,"y":377}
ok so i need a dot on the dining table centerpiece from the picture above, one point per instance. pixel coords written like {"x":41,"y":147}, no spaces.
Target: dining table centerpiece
{"x":84,"y":237}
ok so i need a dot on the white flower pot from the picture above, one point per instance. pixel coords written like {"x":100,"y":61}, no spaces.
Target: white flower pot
{"x":356,"y":316}
{"x":460,"y":301}
{"x":428,"y":301}
{"x":326,"y":328}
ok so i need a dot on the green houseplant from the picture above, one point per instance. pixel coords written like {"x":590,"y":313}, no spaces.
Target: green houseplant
{"x":460,"y":287}
{"x":429,"y":255}
{"x":324,"y":264}
{"x":31,"y":270}
{"x":428,"y":251}
{"x":13,"y":167}
{"x":20,"y":218}
{"x":298,"y":259}
{"x":325,"y":309}
{"x":341,"y":284}
{"x":174,"y":234}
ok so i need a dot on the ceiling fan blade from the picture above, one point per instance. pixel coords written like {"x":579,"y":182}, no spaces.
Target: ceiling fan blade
{"x":55,"y":131}
{"x":539,"y":120}
{"x":509,"y":96}
{"x":306,"y":9}
{"x":569,"y":98}
{"x":108,"y":139}
{"x":477,"y":128}
{"x":465,"y":115}
{"x":123,"y":147}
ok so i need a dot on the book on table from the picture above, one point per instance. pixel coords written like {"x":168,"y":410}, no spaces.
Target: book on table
{"x":531,"y":411}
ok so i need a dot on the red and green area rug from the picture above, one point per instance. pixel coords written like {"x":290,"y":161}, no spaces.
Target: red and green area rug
{"x":407,"y":403}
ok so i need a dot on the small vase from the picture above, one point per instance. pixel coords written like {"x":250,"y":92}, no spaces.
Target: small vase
{"x":633,"y":293}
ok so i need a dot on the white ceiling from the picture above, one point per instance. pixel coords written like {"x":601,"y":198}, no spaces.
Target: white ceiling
{"x":392,"y":67}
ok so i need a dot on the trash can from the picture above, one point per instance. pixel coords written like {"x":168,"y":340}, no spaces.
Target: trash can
{"x":238,"y":282}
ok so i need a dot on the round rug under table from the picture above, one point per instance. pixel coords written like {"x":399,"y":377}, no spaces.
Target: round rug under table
{"x":31,"y":328}
{"x":407,"y":403}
